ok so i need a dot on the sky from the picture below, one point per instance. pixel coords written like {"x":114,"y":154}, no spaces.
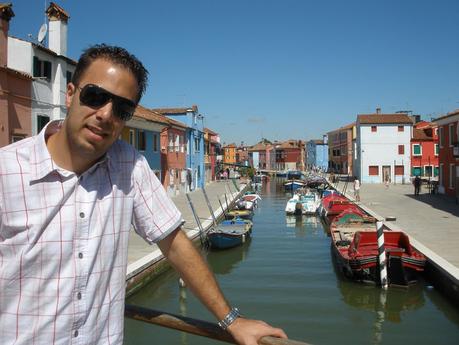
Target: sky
{"x":276,"y":69}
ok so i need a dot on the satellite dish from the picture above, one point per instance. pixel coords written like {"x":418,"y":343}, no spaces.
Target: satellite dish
{"x":42,"y":33}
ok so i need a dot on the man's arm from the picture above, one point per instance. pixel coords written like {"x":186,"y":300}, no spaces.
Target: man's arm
{"x":184,"y":257}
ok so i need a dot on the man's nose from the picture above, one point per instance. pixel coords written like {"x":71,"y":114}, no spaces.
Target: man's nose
{"x":105,"y":112}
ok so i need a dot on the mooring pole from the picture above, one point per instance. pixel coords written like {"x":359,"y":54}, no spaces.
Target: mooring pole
{"x":382,"y":254}
{"x":198,"y":221}
{"x":209,"y":206}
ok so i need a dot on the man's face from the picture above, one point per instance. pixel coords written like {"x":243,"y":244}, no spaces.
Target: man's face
{"x":91,"y":131}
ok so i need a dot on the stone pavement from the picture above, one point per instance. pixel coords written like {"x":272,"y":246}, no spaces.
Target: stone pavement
{"x":141,"y":254}
{"x":431,"y":220}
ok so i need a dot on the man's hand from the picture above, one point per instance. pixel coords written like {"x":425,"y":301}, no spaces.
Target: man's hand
{"x":249,"y":332}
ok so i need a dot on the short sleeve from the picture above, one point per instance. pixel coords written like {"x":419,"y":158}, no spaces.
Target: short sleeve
{"x":155,"y":214}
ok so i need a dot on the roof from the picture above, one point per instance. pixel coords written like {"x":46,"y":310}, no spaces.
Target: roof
{"x":211,"y":132}
{"x":176,"y":111}
{"x":6,"y":11}
{"x":20,"y":74}
{"x":149,"y":115}
{"x":55,"y":12}
{"x":317,"y":141}
{"x":450,"y":114}
{"x":289,"y":144}
{"x":343,"y":128}
{"x":258,"y":147}
{"x":384,"y":119}
{"x":230,"y":145}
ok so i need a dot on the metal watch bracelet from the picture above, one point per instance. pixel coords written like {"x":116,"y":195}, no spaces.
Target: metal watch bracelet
{"x":229,"y":318}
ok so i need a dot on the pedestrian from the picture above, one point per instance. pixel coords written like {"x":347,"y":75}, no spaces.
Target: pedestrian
{"x":356,"y":189}
{"x":417,"y":185}
{"x":386,"y":181}
{"x":69,"y":197}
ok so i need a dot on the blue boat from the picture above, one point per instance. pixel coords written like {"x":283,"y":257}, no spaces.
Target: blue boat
{"x":293,"y":185}
{"x":230,"y":233}
{"x":294,"y":174}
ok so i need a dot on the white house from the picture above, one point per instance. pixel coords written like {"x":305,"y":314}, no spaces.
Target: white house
{"x":50,"y":67}
{"x":382,"y":149}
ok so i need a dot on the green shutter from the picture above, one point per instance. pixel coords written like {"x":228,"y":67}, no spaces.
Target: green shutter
{"x":416,"y":149}
{"x":36,"y":67}
{"x":47,"y":71}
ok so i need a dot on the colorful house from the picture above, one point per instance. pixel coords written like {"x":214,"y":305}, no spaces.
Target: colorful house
{"x":211,"y":149}
{"x":290,"y":155}
{"x":383,"y":147}
{"x":50,"y":67}
{"x":340,"y":149}
{"x":424,"y":150}
{"x":194,"y":121}
{"x":175,"y":176}
{"x":15,"y":90}
{"x":229,"y":154}
{"x":317,"y":154}
{"x":448,"y":140}
{"x":143,"y":132}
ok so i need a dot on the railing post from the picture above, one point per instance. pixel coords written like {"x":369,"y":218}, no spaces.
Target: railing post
{"x":382,"y":255}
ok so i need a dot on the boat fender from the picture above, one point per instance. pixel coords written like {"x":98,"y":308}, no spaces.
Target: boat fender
{"x":243,"y":238}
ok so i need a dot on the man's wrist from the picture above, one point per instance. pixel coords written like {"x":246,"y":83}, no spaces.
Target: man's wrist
{"x":229,"y":318}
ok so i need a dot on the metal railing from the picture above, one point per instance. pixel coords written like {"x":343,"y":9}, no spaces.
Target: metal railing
{"x":194,"y":326}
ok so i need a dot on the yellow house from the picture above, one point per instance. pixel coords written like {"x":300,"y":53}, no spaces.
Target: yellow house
{"x":229,"y":154}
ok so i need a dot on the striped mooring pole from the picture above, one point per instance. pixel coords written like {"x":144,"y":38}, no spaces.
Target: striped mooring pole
{"x":381,"y":255}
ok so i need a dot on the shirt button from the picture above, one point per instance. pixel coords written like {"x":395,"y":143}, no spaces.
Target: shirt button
{"x":79,"y":295}
{"x":80,"y":255}
{"x":81,"y":214}
{"x":75,"y":334}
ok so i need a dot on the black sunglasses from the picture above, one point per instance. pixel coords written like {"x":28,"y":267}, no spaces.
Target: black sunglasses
{"x":95,"y":97}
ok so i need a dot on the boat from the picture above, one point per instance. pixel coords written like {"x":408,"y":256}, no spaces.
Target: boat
{"x":230,"y":233}
{"x":281,"y":173}
{"x":334,"y":204}
{"x":292,"y":185}
{"x":356,"y":255}
{"x":294,"y":175}
{"x":244,"y":214}
{"x":303,"y":204}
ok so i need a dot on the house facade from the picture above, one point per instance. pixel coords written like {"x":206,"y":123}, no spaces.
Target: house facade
{"x":448,"y":140}
{"x":194,"y":121}
{"x":290,"y":155}
{"x":15,"y":90}
{"x":317,"y":155}
{"x":340,"y":149}
{"x":383,"y":148}
{"x":229,"y":154}
{"x":424,"y":150}
{"x":211,"y":150}
{"x":50,"y":67}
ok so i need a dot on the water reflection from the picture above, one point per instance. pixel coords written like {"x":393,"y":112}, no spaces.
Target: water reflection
{"x":224,"y":261}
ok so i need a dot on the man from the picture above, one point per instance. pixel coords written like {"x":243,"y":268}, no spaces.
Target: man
{"x":356,"y":189}
{"x":417,"y":185}
{"x":68,"y":198}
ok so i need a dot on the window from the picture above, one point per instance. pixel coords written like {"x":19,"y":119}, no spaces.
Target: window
{"x":196,"y":145}
{"x":141,"y":140}
{"x":177,"y":143}
{"x":401,"y":149}
{"x":436,"y":150}
{"x":170,"y":147}
{"x":373,"y":170}
{"x":417,"y":150}
{"x":401,"y":128}
{"x":399,"y":170}
{"x":374,"y":128}
{"x":416,"y":171}
{"x":428,"y":170}
{"x":155,"y":142}
{"x":41,"y":69}
{"x":441,"y":137}
{"x":42,"y":120}
{"x":436,"y":171}
{"x":132,"y":137}
{"x":451,"y":134}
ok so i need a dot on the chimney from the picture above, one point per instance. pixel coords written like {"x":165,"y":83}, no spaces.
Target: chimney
{"x":6,"y":13}
{"x":57,"y":39}
{"x":378,"y":111}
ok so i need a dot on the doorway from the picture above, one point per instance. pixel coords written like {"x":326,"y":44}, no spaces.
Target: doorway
{"x":386,"y":173}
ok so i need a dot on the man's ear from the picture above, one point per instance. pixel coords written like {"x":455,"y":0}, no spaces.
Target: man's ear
{"x":71,"y":90}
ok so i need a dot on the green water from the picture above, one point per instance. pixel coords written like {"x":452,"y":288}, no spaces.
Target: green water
{"x":285,"y":275}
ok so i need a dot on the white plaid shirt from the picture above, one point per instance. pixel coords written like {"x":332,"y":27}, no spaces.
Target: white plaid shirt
{"x":64,"y":241}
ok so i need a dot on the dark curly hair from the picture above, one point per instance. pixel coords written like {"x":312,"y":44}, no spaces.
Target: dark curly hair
{"x":116,"y":55}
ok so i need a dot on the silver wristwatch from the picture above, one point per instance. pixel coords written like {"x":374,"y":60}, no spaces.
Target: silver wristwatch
{"x":229,"y":318}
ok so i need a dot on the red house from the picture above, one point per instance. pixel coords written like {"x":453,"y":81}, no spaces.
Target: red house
{"x":424,"y":150}
{"x":290,"y":155}
{"x":448,"y":140}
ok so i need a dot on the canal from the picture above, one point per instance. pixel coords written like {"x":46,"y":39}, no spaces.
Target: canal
{"x":285,"y":276}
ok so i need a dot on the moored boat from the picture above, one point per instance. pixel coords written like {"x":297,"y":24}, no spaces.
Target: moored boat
{"x":356,"y":254}
{"x":244,"y":214}
{"x":292,"y":185}
{"x":230,"y":233}
{"x":303,"y":204}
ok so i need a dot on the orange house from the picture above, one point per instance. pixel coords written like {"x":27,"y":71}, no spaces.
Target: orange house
{"x":229,"y":154}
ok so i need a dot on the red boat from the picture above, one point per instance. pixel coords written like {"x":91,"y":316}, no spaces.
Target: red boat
{"x":356,"y":254}
{"x":334,"y":204}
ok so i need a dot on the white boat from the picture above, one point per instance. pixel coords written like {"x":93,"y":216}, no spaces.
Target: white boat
{"x":303,"y":204}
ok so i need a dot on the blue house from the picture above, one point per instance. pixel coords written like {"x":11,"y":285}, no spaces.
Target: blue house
{"x":317,"y":154}
{"x":195,"y":141}
{"x":143,"y":132}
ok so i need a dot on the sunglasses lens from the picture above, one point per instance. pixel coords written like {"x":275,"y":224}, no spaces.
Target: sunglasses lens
{"x":123,"y":109}
{"x":94,"y":96}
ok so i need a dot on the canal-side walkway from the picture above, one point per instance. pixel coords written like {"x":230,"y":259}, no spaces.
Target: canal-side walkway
{"x":142,"y":256}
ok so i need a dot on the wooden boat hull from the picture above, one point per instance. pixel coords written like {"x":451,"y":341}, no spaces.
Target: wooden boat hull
{"x":227,"y":236}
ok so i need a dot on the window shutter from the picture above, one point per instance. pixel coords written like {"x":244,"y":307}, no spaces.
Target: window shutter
{"x":36,"y":67}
